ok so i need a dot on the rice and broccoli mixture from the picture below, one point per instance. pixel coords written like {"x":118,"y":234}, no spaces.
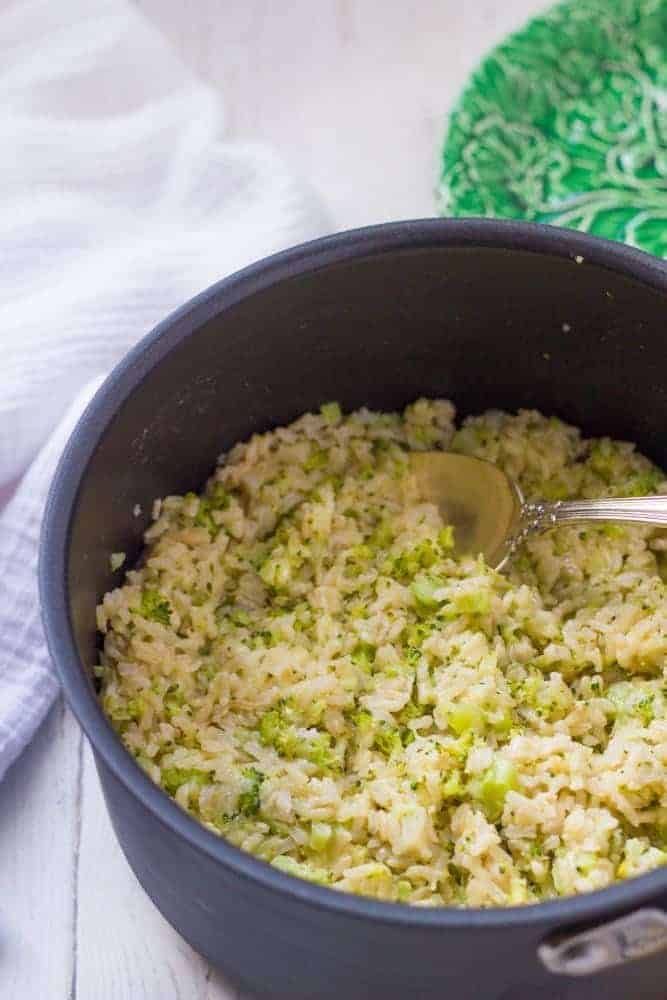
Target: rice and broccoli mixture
{"x":303,"y":665}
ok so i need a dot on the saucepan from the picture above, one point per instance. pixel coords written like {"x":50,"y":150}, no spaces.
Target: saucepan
{"x":483,"y":312}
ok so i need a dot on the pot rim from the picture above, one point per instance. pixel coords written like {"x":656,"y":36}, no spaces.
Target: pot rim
{"x":61,"y":507}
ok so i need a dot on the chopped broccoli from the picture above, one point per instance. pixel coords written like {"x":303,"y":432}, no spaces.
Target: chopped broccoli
{"x":403,"y":890}
{"x":614,"y":531}
{"x":407,"y":736}
{"x":331,"y":412}
{"x":204,"y":518}
{"x":423,"y":589}
{"x":174,"y":702}
{"x":382,"y":536}
{"x":644,"y":484}
{"x":240,"y":618}
{"x":285,"y":863}
{"x":173,"y":777}
{"x":276,"y":731}
{"x":362,"y":719}
{"x":217,"y":500}
{"x":493,"y":787}
{"x":629,"y":699}
{"x":248,"y":803}
{"x":409,"y":712}
{"x":446,"y":538}
{"x":414,"y":635}
{"x":363,"y":655}
{"x":320,"y":752}
{"x":155,"y":607}
{"x":317,"y":459}
{"x":473,"y":602}
{"x":601,"y":459}
{"x":466,"y":717}
{"x":453,"y":787}
{"x":320,"y":836}
{"x":408,"y":563}
{"x":388,"y":740}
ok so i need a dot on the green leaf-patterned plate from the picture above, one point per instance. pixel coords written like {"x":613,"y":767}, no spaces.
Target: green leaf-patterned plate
{"x":566,"y":123}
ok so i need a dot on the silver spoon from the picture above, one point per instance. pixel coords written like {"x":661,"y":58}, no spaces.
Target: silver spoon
{"x":489,"y":514}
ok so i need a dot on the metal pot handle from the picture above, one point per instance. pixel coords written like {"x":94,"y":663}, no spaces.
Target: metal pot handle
{"x":636,"y":935}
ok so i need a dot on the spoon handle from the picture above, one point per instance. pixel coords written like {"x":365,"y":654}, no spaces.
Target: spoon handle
{"x":541,"y":516}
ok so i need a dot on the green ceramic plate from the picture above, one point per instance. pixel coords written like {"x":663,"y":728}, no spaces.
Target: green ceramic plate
{"x":566,"y":123}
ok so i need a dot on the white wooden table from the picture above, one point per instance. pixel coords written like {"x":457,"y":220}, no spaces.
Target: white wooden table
{"x":353,"y":92}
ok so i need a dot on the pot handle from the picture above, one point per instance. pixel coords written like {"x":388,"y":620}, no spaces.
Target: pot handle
{"x":636,"y":935}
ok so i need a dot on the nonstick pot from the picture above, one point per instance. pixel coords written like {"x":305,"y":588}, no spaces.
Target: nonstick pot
{"x":486,"y":313}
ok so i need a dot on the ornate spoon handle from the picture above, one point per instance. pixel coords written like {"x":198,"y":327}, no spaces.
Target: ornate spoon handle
{"x":541,"y":516}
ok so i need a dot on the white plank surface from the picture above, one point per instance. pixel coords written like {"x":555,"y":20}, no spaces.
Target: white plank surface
{"x":354,"y":94}
{"x":39,"y":825}
{"x":147,"y":958}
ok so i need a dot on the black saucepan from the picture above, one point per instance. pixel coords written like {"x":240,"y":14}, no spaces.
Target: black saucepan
{"x":486,"y":313}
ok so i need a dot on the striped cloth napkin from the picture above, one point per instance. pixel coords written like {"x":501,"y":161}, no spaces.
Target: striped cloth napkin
{"x":119,"y":199}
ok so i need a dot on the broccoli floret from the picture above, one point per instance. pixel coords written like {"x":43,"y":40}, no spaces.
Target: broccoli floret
{"x":248,"y":803}
{"x":414,"y":635}
{"x":403,"y":890}
{"x":276,"y":731}
{"x":446,"y":538}
{"x":317,"y":459}
{"x":123,"y":711}
{"x":173,"y":777}
{"x":382,"y":536}
{"x":630,"y":699}
{"x":362,"y":720}
{"x":204,"y":518}
{"x":477,"y":602}
{"x":453,"y":787}
{"x":601,"y":459}
{"x":644,"y":484}
{"x":405,"y":565}
{"x":423,"y":590}
{"x":614,"y":531}
{"x":358,"y":559}
{"x":155,"y":607}
{"x":320,"y":836}
{"x":409,"y":712}
{"x":363,"y":655}
{"x":217,"y":499}
{"x":465,"y":717}
{"x":331,"y":412}
{"x":388,"y":740}
{"x":493,"y":787}
{"x":174,"y":702}
{"x":319,"y":752}
{"x":285,"y":863}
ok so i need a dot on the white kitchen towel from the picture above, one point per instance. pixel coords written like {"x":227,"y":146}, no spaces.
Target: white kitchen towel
{"x":119,"y":199}
{"x":27,"y":682}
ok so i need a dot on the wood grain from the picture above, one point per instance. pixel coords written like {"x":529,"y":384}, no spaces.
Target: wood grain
{"x":39,"y":817}
{"x":125,"y":949}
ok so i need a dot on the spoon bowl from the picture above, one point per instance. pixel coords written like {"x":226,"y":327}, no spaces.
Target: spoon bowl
{"x":476,"y":497}
{"x":490,"y":516}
